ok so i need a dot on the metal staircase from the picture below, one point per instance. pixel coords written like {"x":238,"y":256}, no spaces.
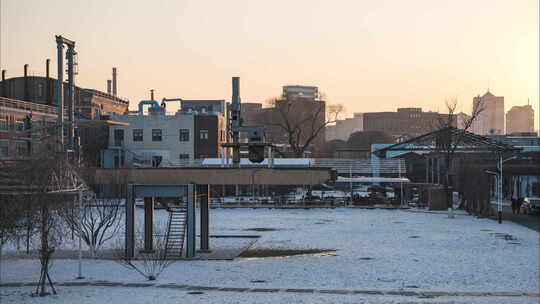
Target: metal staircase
{"x":176,"y":231}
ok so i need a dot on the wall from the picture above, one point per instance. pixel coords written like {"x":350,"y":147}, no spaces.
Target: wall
{"x":170,"y":147}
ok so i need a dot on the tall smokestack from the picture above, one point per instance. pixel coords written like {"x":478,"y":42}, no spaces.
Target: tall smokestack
{"x":109,"y":86}
{"x":236,"y":90}
{"x":114,"y":81}
{"x":48,"y":84}
{"x":26,"y":91}
{"x":151,"y":94}
{"x":4,"y":93}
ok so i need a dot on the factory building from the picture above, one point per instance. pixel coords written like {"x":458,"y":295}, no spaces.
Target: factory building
{"x":89,"y":103}
{"x":157,"y":139}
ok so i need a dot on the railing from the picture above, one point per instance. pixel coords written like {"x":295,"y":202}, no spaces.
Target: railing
{"x":27,"y":106}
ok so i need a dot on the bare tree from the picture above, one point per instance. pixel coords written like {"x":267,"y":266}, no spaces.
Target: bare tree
{"x":149,"y":264}
{"x":96,"y":222}
{"x":40,"y":178}
{"x":450,"y":138}
{"x":301,"y":120}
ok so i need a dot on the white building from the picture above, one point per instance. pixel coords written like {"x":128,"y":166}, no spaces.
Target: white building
{"x":167,"y":139}
{"x":491,"y":118}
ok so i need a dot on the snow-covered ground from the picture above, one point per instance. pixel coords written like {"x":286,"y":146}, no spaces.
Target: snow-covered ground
{"x":413,"y":251}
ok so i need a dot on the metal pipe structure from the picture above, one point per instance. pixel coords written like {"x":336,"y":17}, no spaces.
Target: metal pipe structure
{"x":60,"y":93}
{"x":60,"y":41}
{"x":71,"y":95}
{"x":109,"y":86}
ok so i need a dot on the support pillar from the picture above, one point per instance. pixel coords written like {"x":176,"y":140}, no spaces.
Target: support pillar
{"x":427,"y":170}
{"x":191,"y":225}
{"x":204,"y":200}
{"x":149,"y":224}
{"x":130,"y":222}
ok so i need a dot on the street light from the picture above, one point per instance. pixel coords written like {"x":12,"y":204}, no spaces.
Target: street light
{"x":253,"y":184}
{"x":500,"y":185}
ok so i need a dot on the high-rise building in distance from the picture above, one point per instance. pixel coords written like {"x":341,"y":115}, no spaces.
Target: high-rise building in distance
{"x":490,"y":120}
{"x":520,"y":119}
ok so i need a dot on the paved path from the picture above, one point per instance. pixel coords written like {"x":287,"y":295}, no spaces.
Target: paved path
{"x":195,"y":288}
{"x":528,"y":220}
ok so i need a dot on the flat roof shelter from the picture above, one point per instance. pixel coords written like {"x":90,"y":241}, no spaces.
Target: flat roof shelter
{"x":189,"y":184}
{"x":446,"y":140}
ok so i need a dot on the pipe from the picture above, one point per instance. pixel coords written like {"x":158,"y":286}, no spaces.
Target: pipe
{"x":152,"y":95}
{"x":109,"y":86}
{"x":71,"y":95}
{"x":114,"y":81}
{"x":48,"y":84}
{"x":4,"y":93}
{"x":26,"y":93}
{"x":153,"y":103}
{"x":60,"y":92}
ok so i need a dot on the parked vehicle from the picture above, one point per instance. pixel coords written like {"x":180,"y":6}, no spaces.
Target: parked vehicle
{"x":531,"y":205}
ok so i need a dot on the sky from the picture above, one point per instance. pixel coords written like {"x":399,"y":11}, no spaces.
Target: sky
{"x":367,"y":55}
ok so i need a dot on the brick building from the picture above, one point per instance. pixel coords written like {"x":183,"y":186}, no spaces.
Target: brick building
{"x":89,"y":103}
{"x":520,"y":119}
{"x":405,"y":123}
{"x":19,"y":136}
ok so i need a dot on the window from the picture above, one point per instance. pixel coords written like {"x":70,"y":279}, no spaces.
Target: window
{"x":40,"y":90}
{"x":156,"y":134}
{"x":203,"y":134}
{"x":21,"y":148}
{"x":138,"y":135}
{"x":35,"y":147}
{"x":19,"y":125}
{"x":3,"y":124}
{"x":184,"y":135}
{"x":184,"y":156}
{"x":4,"y":148}
{"x":118,"y":137}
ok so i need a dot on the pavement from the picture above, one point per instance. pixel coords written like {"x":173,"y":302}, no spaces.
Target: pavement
{"x":528,"y":220}
{"x":400,"y":292}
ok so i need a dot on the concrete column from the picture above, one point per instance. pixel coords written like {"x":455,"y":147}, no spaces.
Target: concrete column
{"x":191,"y":225}
{"x":204,"y":199}
{"x":427,"y":170}
{"x":432,"y":171}
{"x":130,"y":222}
{"x":149,"y":224}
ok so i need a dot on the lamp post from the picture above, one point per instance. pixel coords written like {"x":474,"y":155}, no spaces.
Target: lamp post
{"x":253,"y":185}
{"x":500,"y":186}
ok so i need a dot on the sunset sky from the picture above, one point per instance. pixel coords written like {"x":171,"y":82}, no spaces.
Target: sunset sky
{"x":367,"y":55}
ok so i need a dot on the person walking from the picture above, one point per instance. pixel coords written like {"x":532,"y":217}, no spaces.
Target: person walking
{"x":519,"y":202}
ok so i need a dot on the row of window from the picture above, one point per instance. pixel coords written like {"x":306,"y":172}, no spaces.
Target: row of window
{"x":21,"y":148}
{"x":157,"y":135}
{"x":19,"y":124}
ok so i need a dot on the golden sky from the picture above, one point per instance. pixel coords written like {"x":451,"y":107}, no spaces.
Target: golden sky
{"x":368,"y":55}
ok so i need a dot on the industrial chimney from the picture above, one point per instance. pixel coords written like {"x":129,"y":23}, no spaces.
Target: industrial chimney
{"x":26,"y":89}
{"x":48,"y":84}
{"x":114,"y":81}
{"x":109,"y":86}
{"x":4,"y":93}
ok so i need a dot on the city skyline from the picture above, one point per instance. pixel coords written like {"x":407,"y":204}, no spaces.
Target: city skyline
{"x":366,"y":56}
